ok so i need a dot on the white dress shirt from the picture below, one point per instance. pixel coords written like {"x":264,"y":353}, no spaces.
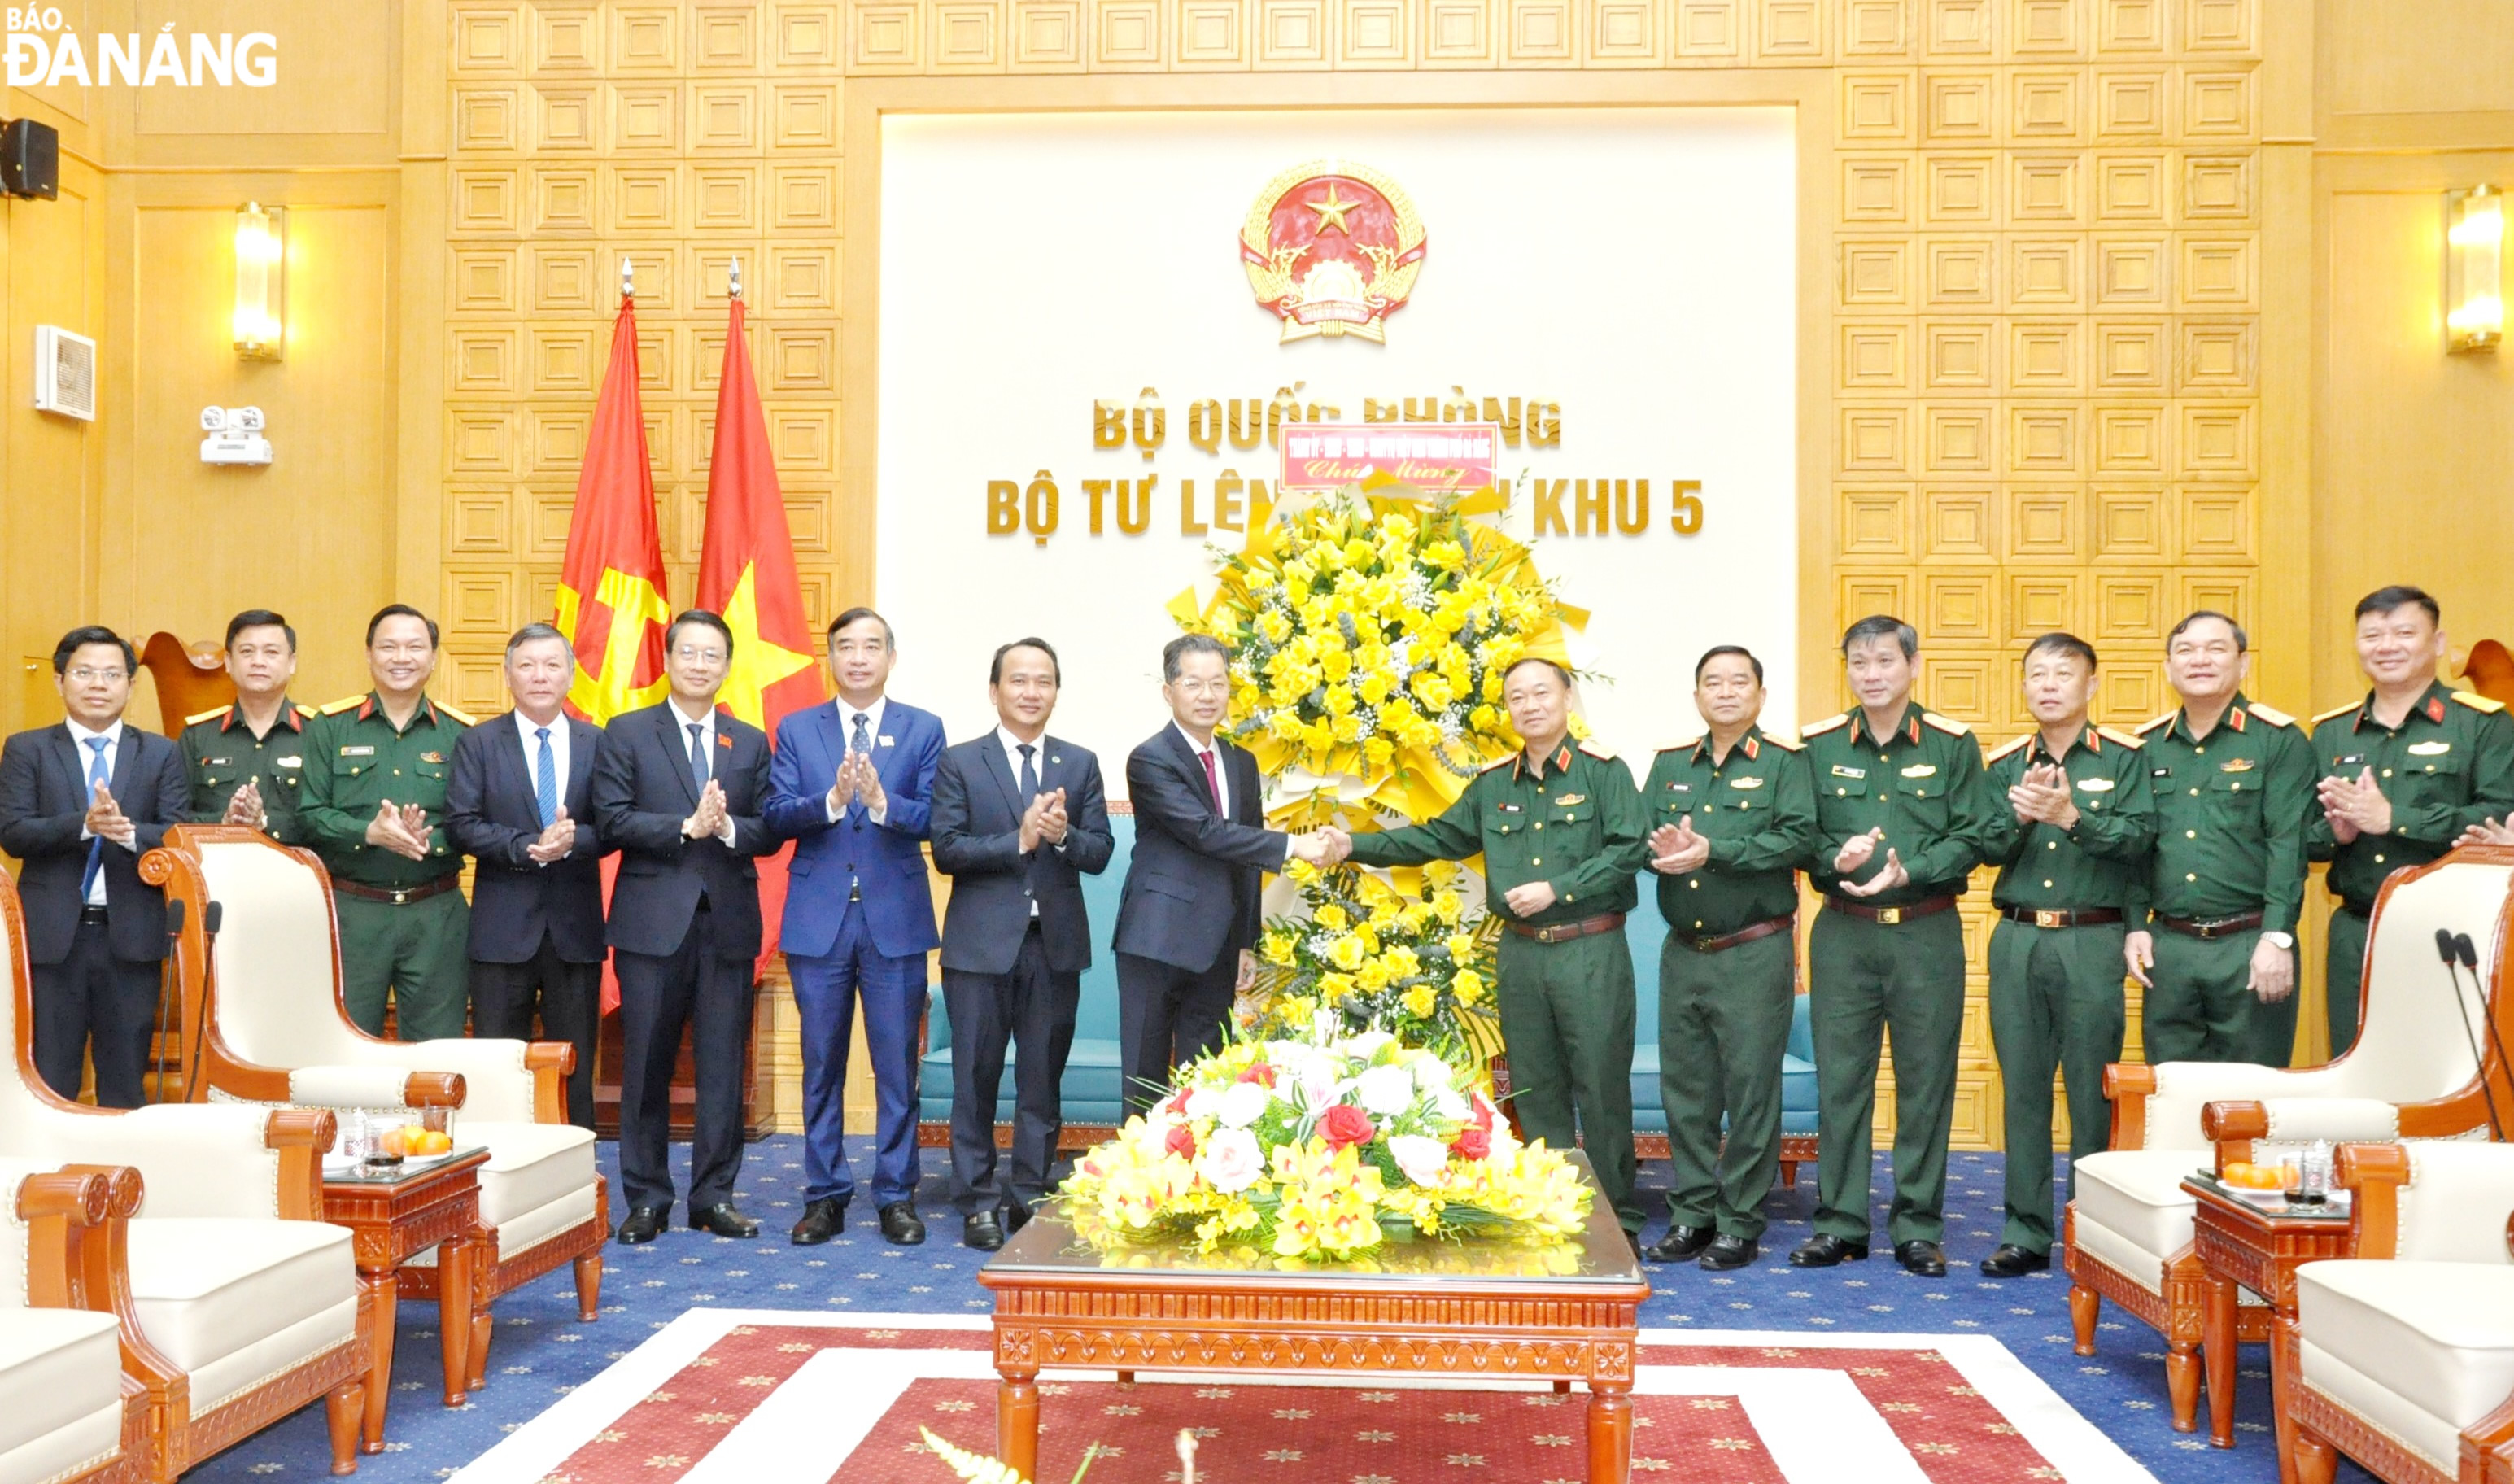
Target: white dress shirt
{"x":683,"y":721}
{"x":1221,"y":770}
{"x":872,"y":714}
{"x":79,"y":734}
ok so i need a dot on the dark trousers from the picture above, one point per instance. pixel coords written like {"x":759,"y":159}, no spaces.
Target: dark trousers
{"x":1167,"y":1014}
{"x":1033,"y":1007}
{"x":827,"y":988}
{"x":696,"y":987}
{"x":569,"y":997}
{"x":90,"y":995}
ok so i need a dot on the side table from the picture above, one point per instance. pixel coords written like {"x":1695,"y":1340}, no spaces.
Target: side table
{"x":394,"y":1216}
{"x":2259,"y":1248}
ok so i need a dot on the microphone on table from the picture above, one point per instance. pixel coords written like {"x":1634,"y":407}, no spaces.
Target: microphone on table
{"x":212,"y":914}
{"x":2455,"y":951}
{"x":174,"y":941}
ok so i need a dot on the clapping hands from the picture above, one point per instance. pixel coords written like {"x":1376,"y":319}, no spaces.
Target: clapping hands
{"x":711,"y":816}
{"x":2355,"y":806}
{"x":245,"y":807}
{"x":401,"y":828}
{"x":1855,"y":853}
{"x":1044,"y":822}
{"x":2041,"y":796}
{"x":2488,"y":833}
{"x":1674,"y":849}
{"x":857,"y":782}
{"x":558,"y":840}
{"x":106,"y":822}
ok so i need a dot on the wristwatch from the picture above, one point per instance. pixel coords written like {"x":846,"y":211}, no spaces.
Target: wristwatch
{"x":2279,"y":939}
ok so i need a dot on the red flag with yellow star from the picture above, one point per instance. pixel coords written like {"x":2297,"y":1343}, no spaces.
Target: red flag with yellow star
{"x":747,"y":574}
{"x":611,"y":583}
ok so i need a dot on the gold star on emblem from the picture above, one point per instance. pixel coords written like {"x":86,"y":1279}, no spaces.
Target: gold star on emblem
{"x":1331,"y":212}
{"x":756,"y":663}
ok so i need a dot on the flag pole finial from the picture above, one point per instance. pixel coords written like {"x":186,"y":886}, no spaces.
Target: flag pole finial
{"x":733,"y":279}
{"x":628,"y":278}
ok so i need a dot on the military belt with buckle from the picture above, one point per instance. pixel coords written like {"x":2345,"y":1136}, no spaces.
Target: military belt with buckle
{"x":1564,"y":932}
{"x":2214,"y":927}
{"x":1713,"y":943}
{"x":398,"y":896}
{"x":1889,"y":916}
{"x":2061,"y":917}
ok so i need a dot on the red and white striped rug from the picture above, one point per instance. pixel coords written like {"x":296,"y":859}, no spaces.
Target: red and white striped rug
{"x":750,"y":1396}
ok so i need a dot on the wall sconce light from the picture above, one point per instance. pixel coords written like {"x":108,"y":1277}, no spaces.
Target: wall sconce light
{"x":261,"y":282}
{"x":2474,"y":238}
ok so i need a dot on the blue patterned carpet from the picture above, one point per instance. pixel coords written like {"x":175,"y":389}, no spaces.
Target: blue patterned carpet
{"x":542,"y":1351}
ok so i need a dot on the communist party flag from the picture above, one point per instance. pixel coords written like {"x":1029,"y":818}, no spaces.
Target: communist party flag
{"x":611,"y":584}
{"x":747,"y":574}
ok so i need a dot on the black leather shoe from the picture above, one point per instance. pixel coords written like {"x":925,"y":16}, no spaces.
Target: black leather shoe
{"x":1014,"y":1217}
{"x":724,"y":1220}
{"x":2014,"y":1261}
{"x":981,"y":1231}
{"x":823,"y":1219}
{"x":1728,"y":1253}
{"x":1825,"y":1250}
{"x":1633,"y":1239}
{"x":1926,"y":1258}
{"x":1682,"y":1244}
{"x":900,"y":1223}
{"x":643,"y":1224}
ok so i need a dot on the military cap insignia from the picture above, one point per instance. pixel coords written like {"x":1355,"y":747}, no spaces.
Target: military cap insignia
{"x":2244,"y":765}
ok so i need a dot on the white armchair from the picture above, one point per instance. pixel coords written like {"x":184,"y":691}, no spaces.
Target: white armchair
{"x":2404,"y":1354}
{"x":264,"y":999}
{"x":241,"y":1303}
{"x":2412,"y":1074}
{"x":68,"y":1414}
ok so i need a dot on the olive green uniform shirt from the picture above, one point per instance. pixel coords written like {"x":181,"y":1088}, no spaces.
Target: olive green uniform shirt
{"x":1575,"y":822}
{"x":221,"y":754}
{"x":1922,"y":783}
{"x":2449,"y":765}
{"x":1757,"y":808}
{"x":2098,"y":862}
{"x":356,"y":761}
{"x":2230,"y":818}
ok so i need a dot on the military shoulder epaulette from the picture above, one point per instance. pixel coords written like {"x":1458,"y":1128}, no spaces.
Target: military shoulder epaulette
{"x":2336,"y":711}
{"x":2271,"y":715}
{"x":1596,"y":750}
{"x":198,"y":717}
{"x":345,"y":703}
{"x":2005,"y":749}
{"x":1684,"y":745}
{"x":1785,"y":744}
{"x":464,"y":717}
{"x":2123,"y":737}
{"x":1946,"y":724}
{"x":2477,"y":702}
{"x":1506,"y":762}
{"x":2164,"y":720}
{"x":304,"y":711}
{"x":1819,"y":728}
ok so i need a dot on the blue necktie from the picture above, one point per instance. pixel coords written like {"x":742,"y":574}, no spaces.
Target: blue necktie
{"x":97,"y":775}
{"x":545,"y":787}
{"x":697,"y":756}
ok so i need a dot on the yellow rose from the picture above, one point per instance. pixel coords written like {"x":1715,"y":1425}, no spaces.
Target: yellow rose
{"x":1330,"y":916}
{"x":1274,"y":625}
{"x":1360,"y":554}
{"x":1346,"y":953}
{"x":1373,"y":975}
{"x":1468,"y":985}
{"x":1336,"y":665}
{"x":1296,"y":590}
{"x":1333,"y":987}
{"x":1420,"y":1001}
{"x":1276,"y":949}
{"x":1432,"y":689}
{"x":1447,"y":905}
{"x":1461,"y":947}
{"x":1379,"y":751}
{"x":1375,"y":687}
{"x":1347,"y":728}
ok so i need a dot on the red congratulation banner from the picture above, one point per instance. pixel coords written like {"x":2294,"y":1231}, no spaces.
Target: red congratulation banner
{"x":1437,"y":456}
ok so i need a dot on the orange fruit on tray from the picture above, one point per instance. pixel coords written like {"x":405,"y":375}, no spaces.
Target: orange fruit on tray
{"x":438,"y":1142}
{"x":394,"y":1143}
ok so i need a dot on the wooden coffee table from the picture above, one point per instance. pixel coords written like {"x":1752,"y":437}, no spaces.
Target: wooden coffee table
{"x":2240,"y":1244}
{"x":1427,"y":1309}
{"x":394,"y":1216}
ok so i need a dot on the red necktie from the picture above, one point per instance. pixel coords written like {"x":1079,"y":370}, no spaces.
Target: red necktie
{"x":1212,"y":784}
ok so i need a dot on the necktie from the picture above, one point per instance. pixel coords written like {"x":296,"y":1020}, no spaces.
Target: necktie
{"x":1212,"y":783}
{"x":546,"y":787}
{"x":97,"y":775}
{"x":1029,"y":773}
{"x":697,"y":756}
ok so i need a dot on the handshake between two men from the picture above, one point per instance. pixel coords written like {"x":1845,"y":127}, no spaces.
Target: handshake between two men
{"x":1329,"y":845}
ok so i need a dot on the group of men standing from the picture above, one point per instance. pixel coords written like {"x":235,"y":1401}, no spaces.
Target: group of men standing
{"x":2175,"y":856}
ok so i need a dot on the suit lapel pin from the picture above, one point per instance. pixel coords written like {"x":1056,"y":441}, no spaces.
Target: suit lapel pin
{"x":1054,"y":759}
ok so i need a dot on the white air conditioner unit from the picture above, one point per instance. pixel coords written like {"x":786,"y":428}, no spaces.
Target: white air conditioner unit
{"x":65,"y":373}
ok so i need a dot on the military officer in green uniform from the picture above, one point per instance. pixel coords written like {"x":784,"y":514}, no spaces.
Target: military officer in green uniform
{"x":2071,"y":846}
{"x":1562,"y":833}
{"x":2213,"y":928}
{"x":2403,"y":774}
{"x":246,"y":761}
{"x":1733,"y":813}
{"x":1902,"y":817}
{"x":376,"y":769}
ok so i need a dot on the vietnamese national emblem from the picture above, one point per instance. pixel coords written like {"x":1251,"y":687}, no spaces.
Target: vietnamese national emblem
{"x":1333,"y":248}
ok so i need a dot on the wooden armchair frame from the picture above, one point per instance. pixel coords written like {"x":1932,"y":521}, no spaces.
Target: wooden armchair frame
{"x":2175,"y":1307}
{"x":65,"y":1214}
{"x":175,"y":866}
{"x":2324,"y":1429}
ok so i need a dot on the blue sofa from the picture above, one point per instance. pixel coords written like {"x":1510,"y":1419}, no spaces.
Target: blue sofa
{"x":1093,"y":1082}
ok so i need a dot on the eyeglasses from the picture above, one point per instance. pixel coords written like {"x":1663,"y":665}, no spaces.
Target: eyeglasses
{"x":85,"y":676}
{"x":1203,"y":687}
{"x":688,"y":655}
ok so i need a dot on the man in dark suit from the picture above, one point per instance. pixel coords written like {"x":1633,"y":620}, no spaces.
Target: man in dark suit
{"x":1019,"y":816}
{"x":520,"y":804}
{"x":1188,"y":914}
{"x":79,"y":802}
{"x":851,"y":785}
{"x":678,"y":788}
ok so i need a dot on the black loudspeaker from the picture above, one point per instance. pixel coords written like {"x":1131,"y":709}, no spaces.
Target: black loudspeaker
{"x":30,"y":159}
